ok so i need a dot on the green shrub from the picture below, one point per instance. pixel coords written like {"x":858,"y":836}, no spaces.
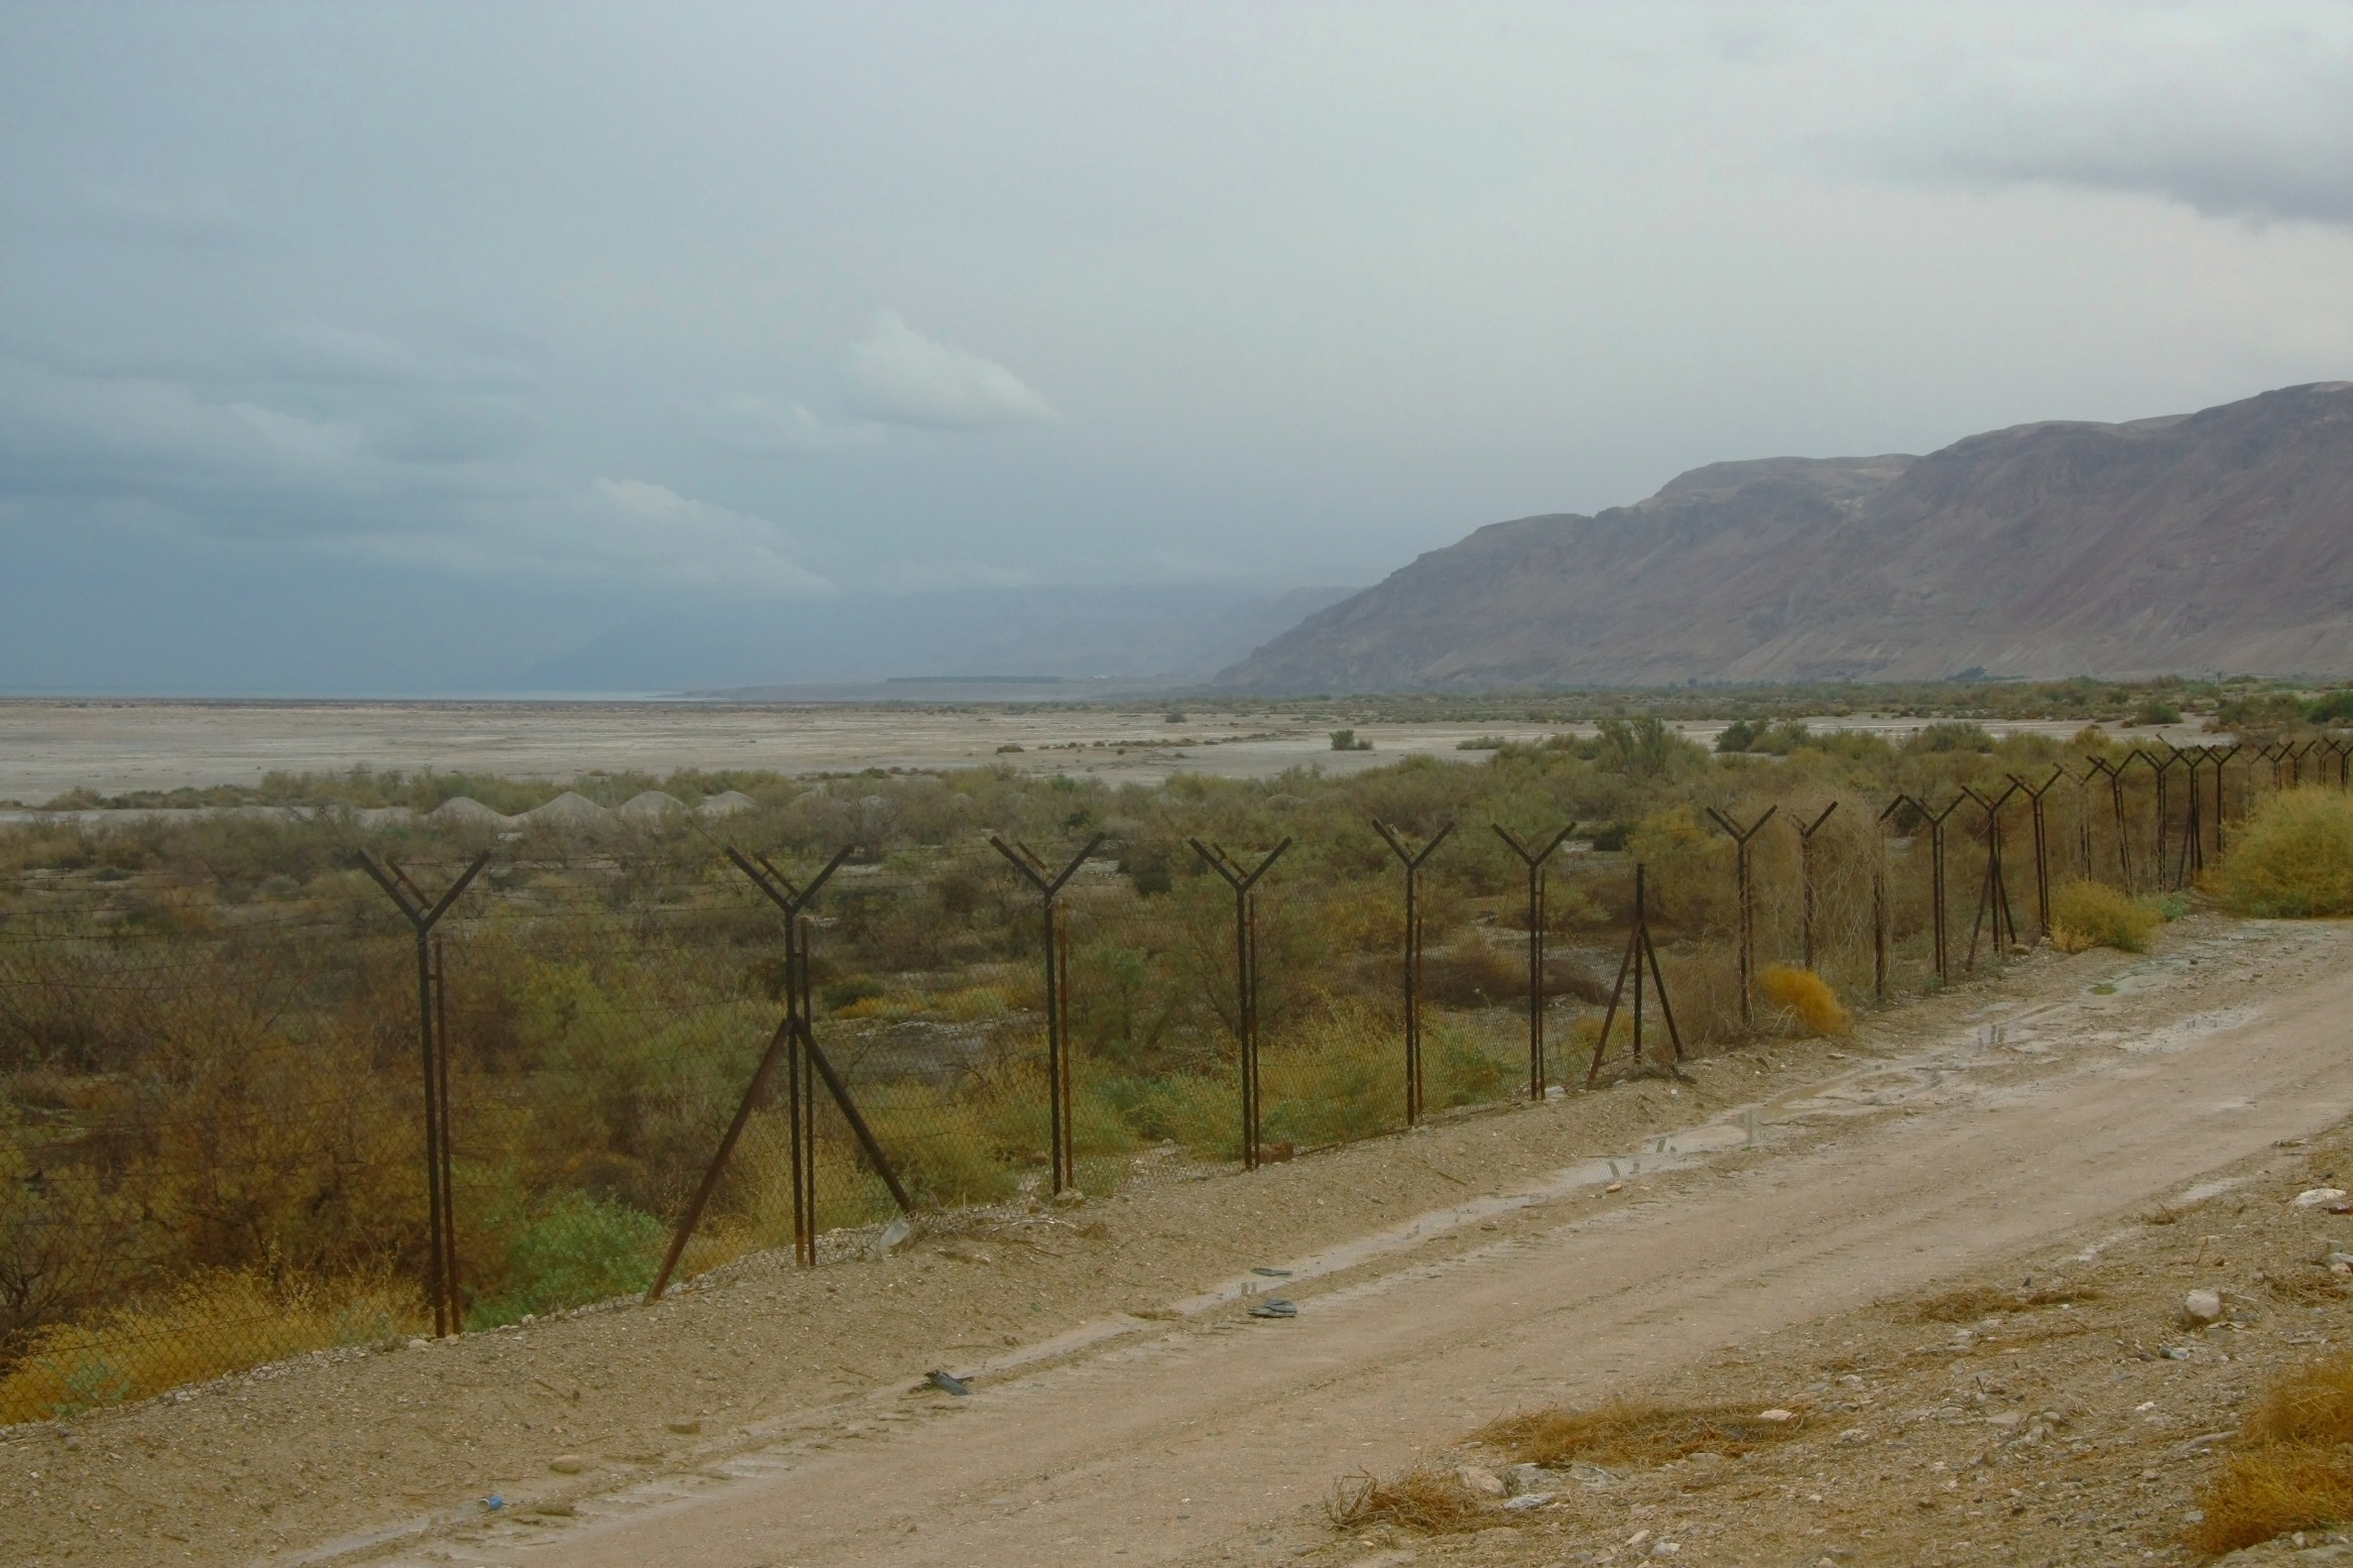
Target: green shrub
{"x":580,"y":1250}
{"x":2294,"y":858}
{"x":2088,"y":914}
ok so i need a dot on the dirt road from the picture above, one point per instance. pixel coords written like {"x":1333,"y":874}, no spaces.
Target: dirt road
{"x":1217,"y":1440}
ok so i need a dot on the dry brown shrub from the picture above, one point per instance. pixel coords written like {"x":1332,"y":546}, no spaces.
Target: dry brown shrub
{"x":2312,"y":1287}
{"x":1971,"y":1302}
{"x":1630,"y":1432}
{"x":2270,"y":1490}
{"x":2297,"y":1472}
{"x":1426,"y":1499}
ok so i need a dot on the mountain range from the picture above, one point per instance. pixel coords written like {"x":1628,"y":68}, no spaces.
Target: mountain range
{"x":2215,"y":541}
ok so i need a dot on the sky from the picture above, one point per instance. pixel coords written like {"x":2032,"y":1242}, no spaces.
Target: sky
{"x":365,"y":345}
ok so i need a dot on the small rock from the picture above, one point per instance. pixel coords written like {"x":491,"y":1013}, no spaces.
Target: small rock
{"x":686,"y":1428}
{"x":567,"y":1464}
{"x":2006,"y":1418}
{"x":1586,"y":1475}
{"x":1854,"y":1435}
{"x":2319,"y":1197}
{"x":418,"y":1343}
{"x":1639,"y":1537}
{"x":1486,"y":1483}
{"x":1664,"y":1549}
{"x":947,"y":1383}
{"x":1777,"y":1416}
{"x":2203,"y":1306}
{"x":1520,"y":1479}
{"x":1615,"y":1186}
{"x":1528,"y":1499}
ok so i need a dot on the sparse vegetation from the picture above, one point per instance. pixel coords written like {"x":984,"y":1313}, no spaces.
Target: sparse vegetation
{"x":1628,"y":1432}
{"x":2089,"y":914}
{"x":2293,"y":1468}
{"x":1425,"y":1500}
{"x":2294,"y":858}
{"x":1805,"y":996}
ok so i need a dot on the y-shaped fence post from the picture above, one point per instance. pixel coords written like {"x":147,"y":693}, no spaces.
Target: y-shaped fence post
{"x":1050,"y":884}
{"x":1412,"y":861}
{"x":1244,"y":884}
{"x":1535,"y":860}
{"x":2034,"y":794}
{"x":1748,"y":909}
{"x":1992,"y":894}
{"x":433,"y":1038}
{"x":1805,"y":833}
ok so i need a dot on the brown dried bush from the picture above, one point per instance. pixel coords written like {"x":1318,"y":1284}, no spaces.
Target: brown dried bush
{"x":2296,"y":1468}
{"x":1630,"y":1432}
{"x":1426,"y":1499}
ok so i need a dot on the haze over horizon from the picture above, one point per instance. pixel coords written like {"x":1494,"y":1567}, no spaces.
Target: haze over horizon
{"x":419,"y":348}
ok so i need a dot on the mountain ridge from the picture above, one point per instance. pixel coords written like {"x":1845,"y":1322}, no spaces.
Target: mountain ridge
{"x":2218,"y":539}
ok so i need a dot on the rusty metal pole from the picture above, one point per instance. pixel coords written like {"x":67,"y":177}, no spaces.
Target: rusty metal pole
{"x":1879,"y":896}
{"x":1805,"y":871}
{"x":2034,"y":797}
{"x":1748,"y":912}
{"x":1412,"y":860}
{"x":1244,"y":884}
{"x":1640,"y":952}
{"x":423,"y":915}
{"x":1994,"y":891}
{"x":1060,"y":1136}
{"x":787,"y":1045}
{"x":1535,"y":860}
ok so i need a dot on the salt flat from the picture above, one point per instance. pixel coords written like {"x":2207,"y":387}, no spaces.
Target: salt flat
{"x":113,"y":746}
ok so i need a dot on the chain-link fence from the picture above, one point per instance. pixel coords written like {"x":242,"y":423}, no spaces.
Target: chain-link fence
{"x":212,"y":1134}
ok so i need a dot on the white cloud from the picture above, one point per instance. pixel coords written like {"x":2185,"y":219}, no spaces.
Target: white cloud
{"x":766,"y":427}
{"x":2238,"y":119}
{"x":901,"y":377}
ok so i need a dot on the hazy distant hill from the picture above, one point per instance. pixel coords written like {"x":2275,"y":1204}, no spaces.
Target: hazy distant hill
{"x":2214,"y":541}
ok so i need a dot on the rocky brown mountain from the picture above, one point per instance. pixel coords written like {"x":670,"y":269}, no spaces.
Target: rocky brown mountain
{"x":2217,"y":540}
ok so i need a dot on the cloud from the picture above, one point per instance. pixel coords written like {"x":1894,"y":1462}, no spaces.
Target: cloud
{"x":2252,"y":122}
{"x":898,"y":376}
{"x":616,"y":530}
{"x":168,"y":218}
{"x":766,"y":427}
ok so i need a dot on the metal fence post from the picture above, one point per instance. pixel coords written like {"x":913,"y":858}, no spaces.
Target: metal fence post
{"x":1535,"y":860}
{"x":1805,"y":835}
{"x":1638,"y":953}
{"x":1748,"y":910}
{"x":1050,"y":884}
{"x":2034,"y":794}
{"x":1244,"y":884}
{"x":423,"y":915}
{"x":1993,"y":894}
{"x":1412,"y":860}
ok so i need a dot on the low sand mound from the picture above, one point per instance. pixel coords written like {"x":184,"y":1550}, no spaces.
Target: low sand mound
{"x":650,"y":808}
{"x":465,"y":811}
{"x":728,"y":803}
{"x":569,"y":809}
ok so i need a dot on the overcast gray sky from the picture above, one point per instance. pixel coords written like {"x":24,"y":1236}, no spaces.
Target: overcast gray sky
{"x":784,"y":300}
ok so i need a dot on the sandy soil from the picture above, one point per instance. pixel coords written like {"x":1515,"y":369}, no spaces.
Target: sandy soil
{"x":1124,"y":1402}
{"x":50,"y":747}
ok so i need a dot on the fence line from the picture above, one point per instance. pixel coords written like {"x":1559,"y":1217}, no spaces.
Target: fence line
{"x":211,"y":1145}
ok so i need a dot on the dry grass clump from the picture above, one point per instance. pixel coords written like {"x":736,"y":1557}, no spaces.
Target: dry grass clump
{"x":2295,"y":1470}
{"x":1806,"y":995}
{"x":1425,"y":1498}
{"x":1971,"y":1302}
{"x":2088,"y":914}
{"x":1630,"y":1432}
{"x":219,"y":1324}
{"x":2294,"y":858}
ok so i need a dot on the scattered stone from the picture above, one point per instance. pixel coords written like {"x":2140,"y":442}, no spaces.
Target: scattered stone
{"x":686,"y":1428}
{"x":2203,"y":1306}
{"x":1486,"y":1483}
{"x":1777,"y":1416}
{"x":1854,"y":1435}
{"x":1524,"y":1479}
{"x":1587,"y":1475}
{"x":1271,"y":1273}
{"x":418,"y":1343}
{"x":1275,"y":1306}
{"x":1528,"y":1499}
{"x":2319,"y":1197}
{"x":947,"y":1383}
{"x":567,"y":1464}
